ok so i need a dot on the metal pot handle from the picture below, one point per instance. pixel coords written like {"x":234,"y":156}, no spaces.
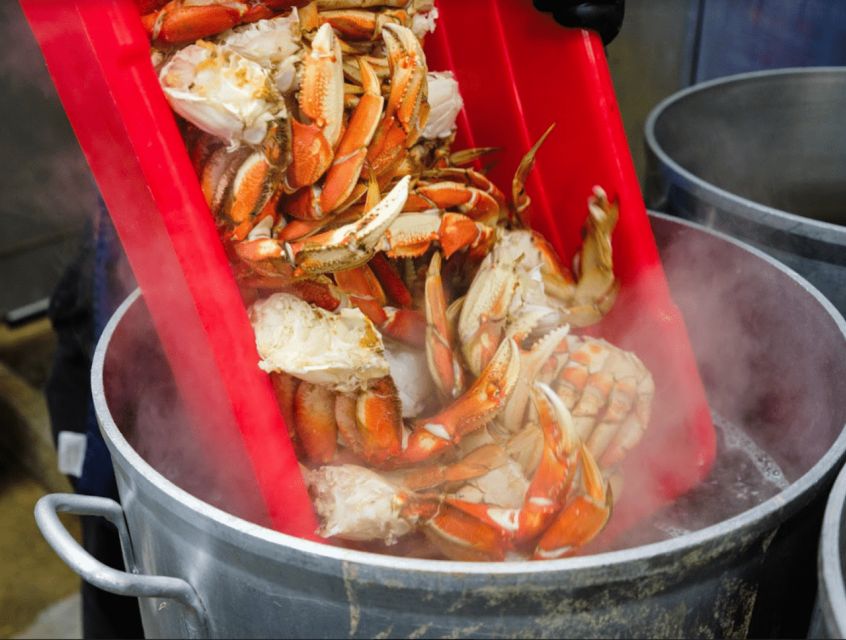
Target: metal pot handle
{"x":104,"y":577}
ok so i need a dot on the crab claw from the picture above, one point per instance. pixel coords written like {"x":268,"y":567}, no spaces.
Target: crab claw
{"x":583,"y":516}
{"x":545,"y":494}
{"x":352,"y":150}
{"x":477,"y":406}
{"x":350,"y":245}
{"x":407,"y":108}
{"x":596,"y":287}
{"x":322,"y":102}
{"x":371,"y":422}
{"x":179,"y":22}
{"x":481,"y":323}
{"x":531,"y":362}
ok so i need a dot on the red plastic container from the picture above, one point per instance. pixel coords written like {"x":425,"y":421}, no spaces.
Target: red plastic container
{"x":518,"y":71}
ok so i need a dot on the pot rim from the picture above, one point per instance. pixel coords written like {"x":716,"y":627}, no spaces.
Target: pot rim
{"x":739,"y":205}
{"x":831,"y":573}
{"x":750,"y":522}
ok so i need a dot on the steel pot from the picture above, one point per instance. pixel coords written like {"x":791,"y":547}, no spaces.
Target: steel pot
{"x":742,"y":569}
{"x":761,"y":156}
{"x":829,"y":619}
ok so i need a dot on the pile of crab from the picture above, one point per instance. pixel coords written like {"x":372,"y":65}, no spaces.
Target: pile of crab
{"x":419,"y":342}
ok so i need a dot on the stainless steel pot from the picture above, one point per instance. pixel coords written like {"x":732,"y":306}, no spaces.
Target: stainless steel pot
{"x":830,"y":614}
{"x":761,"y":156}
{"x":200,"y":570}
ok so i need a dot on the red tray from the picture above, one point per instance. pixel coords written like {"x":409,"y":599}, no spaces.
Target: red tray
{"x":518,"y":72}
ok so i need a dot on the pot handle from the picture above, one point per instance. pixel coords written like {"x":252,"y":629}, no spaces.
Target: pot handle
{"x":104,"y":577}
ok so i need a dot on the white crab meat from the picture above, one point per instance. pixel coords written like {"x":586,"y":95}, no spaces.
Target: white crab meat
{"x":445,"y":104}
{"x":343,"y":350}
{"x":504,"y":487}
{"x":356,"y":503}
{"x":516,"y":248}
{"x":424,"y":19}
{"x":411,"y":376}
{"x":272,"y":43}
{"x":221,"y":92}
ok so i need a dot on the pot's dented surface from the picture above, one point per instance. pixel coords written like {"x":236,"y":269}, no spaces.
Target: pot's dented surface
{"x":741,"y":575}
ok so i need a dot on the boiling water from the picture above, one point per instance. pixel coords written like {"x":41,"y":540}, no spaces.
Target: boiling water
{"x":743,"y":476}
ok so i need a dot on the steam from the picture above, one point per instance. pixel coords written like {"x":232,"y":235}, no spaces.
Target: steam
{"x":44,"y":178}
{"x":197,"y":453}
{"x":761,"y":349}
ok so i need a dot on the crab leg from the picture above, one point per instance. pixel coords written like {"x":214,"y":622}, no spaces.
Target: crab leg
{"x":359,"y":4}
{"x":457,"y":531}
{"x":285,"y":387}
{"x":391,"y":281}
{"x":347,"y":246}
{"x":366,"y":293}
{"x":314,"y":420}
{"x":412,"y":234}
{"x":475,"y":464}
{"x":520,"y":200}
{"x":352,"y":150}
{"x":446,"y":370}
{"x":477,"y":406}
{"x":360,"y":24}
{"x":181,"y":21}
{"x":596,"y":287}
{"x":478,"y":205}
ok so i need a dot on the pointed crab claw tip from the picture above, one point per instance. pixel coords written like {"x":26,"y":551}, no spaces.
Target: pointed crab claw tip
{"x":324,"y":40}
{"x":396,"y":34}
{"x":401,"y":190}
{"x":289,"y":253}
{"x":563,"y":416}
{"x":544,"y":389}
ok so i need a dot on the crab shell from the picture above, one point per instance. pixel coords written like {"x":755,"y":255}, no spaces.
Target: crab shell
{"x":221,"y":92}
{"x":342,"y":350}
{"x":444,"y":102}
{"x":273,"y":43}
{"x":357,"y":504}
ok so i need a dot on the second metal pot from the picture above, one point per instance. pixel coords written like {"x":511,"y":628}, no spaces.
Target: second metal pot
{"x":761,"y":156}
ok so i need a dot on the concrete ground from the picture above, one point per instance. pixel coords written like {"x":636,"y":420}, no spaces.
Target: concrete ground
{"x":32,"y":579}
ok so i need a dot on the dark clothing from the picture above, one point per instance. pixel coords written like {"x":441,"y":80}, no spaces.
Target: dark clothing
{"x":603,"y":16}
{"x":83,"y":300}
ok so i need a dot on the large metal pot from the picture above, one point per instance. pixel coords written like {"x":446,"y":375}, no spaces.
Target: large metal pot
{"x":830,"y":614}
{"x":745,"y":568}
{"x":761,"y":156}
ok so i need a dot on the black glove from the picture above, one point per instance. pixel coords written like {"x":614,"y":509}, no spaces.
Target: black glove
{"x":602,"y":16}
